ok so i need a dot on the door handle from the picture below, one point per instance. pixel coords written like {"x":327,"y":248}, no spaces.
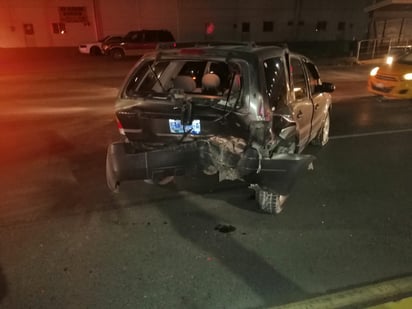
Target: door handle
{"x":299,"y":115}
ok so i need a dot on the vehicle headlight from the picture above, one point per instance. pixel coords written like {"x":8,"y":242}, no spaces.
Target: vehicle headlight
{"x":407,"y":76}
{"x":389,"y":60}
{"x":374,"y":71}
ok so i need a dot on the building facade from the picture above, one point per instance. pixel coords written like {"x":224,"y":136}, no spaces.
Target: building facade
{"x":43,"y":23}
{"x":390,"y":20}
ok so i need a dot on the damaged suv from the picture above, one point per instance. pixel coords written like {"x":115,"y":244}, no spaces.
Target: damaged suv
{"x":241,"y":111}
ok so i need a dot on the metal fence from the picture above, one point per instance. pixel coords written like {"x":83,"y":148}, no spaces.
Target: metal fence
{"x":378,"y":48}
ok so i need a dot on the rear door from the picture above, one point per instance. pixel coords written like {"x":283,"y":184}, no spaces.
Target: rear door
{"x":134,"y":42}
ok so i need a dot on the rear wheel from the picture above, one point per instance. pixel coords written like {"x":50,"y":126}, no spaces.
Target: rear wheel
{"x":269,"y":201}
{"x":117,"y":54}
{"x":323,"y":136}
{"x":111,"y":180}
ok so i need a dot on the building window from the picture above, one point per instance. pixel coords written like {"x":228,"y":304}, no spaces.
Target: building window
{"x":267,"y":26}
{"x":341,"y":26}
{"x":290,"y":23}
{"x":59,"y":28}
{"x":321,"y":26}
{"x":73,"y":14}
{"x":245,"y":27}
{"x":28,"y":29}
{"x":301,"y":23}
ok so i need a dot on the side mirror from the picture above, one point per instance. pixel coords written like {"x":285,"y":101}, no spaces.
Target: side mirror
{"x":325,"y":87}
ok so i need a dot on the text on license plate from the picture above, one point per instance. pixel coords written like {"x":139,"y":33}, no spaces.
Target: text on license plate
{"x":175,"y":126}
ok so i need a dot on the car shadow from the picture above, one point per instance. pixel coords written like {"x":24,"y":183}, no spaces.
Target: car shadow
{"x":205,"y":231}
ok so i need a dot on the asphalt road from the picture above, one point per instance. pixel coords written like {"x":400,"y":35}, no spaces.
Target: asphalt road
{"x":67,"y":242}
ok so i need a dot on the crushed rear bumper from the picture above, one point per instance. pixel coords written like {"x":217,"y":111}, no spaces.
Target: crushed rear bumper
{"x":276,"y":174}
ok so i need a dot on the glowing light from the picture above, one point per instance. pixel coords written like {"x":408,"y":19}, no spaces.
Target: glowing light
{"x":389,"y":60}
{"x":210,"y":28}
{"x":374,"y":71}
{"x":407,"y":76}
{"x":120,"y":127}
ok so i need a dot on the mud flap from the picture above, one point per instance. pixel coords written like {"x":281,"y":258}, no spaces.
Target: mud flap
{"x":122,"y":164}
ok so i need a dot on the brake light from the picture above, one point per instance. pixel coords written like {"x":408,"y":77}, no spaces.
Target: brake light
{"x":120,"y":127}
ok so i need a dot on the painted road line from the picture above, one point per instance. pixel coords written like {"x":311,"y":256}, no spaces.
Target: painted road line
{"x":371,"y":134}
{"x":359,"y":297}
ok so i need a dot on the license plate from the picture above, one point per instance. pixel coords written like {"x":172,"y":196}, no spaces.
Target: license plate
{"x":175,"y":126}
{"x":379,"y":85}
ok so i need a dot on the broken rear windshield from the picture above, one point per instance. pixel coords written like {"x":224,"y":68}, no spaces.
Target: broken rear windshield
{"x":190,"y":76}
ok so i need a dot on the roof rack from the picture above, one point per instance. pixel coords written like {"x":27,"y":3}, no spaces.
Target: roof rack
{"x":214,"y":43}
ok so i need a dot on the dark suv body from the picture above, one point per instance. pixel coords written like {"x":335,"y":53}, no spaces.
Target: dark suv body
{"x":242,"y":112}
{"x":136,"y":43}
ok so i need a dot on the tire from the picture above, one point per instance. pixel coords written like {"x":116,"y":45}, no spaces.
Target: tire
{"x":323,"y":135}
{"x":95,"y":51}
{"x":269,"y":202}
{"x":117,"y":54}
{"x":111,"y":181}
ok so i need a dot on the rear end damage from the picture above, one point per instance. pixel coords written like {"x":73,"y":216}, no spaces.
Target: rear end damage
{"x":230,"y":157}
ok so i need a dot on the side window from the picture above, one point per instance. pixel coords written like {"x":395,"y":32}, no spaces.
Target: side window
{"x":298,"y":78}
{"x":135,"y":36}
{"x":275,"y":81}
{"x":165,"y":36}
{"x":150,"y":36}
{"x":313,"y":76}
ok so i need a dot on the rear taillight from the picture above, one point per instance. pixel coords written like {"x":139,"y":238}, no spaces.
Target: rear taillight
{"x":120,"y":127}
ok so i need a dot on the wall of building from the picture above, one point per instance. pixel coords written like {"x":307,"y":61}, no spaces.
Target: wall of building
{"x":392,"y":25}
{"x":293,"y":20}
{"x":30,"y":23}
{"x":137,"y":14}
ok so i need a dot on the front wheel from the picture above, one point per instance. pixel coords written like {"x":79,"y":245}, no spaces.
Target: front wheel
{"x":117,"y":54}
{"x":323,"y":135}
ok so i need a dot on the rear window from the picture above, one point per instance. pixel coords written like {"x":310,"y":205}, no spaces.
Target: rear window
{"x":166,"y":36}
{"x":202,"y":79}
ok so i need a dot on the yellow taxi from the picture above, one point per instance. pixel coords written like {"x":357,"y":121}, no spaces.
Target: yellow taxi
{"x":393,"y":80}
